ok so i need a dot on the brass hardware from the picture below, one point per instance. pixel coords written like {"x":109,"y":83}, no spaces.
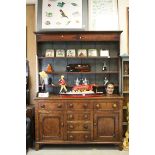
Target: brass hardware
{"x":71,"y":126}
{"x":114,"y":105}
{"x":97,"y":105}
{"x":85,"y":126}
{"x":62,"y":124}
{"x":86,"y":136}
{"x":59,"y":105}
{"x":71,"y":137}
{"x":42,"y":106}
{"x":62,"y":36}
{"x":71,"y":105}
{"x":85,"y":105}
{"x":94,"y":123}
{"x":70,"y":116}
{"x":85,"y":116}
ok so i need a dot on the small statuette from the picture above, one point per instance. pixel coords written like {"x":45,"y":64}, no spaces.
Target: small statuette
{"x":85,"y":81}
{"x":104,"y":68}
{"x":105,"y":80}
{"x":49,"y":69}
{"x":77,"y":82}
{"x":62,"y":83}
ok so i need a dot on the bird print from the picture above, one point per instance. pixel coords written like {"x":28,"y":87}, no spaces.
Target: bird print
{"x":63,"y":14}
{"x":60,"y":4}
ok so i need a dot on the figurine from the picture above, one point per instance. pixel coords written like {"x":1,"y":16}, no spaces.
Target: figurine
{"x":85,"y":81}
{"x":49,"y":69}
{"x":77,"y":82}
{"x":105,"y":80}
{"x":104,"y":68}
{"x":62,"y":83}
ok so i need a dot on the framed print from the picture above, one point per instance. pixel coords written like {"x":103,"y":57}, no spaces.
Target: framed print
{"x":70,"y":53}
{"x":60,"y":53}
{"x":103,"y":15}
{"x":82,"y":53}
{"x":104,"y":53}
{"x":49,"y":53}
{"x":54,"y":15}
{"x":92,"y":52}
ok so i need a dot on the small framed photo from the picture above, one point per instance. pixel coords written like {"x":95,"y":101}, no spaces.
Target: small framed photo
{"x":49,"y":53}
{"x":82,"y":53}
{"x":92,"y":52}
{"x":104,"y":53}
{"x":70,"y":53}
{"x":60,"y":53}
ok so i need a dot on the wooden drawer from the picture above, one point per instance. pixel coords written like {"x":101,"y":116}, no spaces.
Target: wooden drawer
{"x":50,"y":106}
{"x":107,"y":105}
{"x":79,"y":136}
{"x":78,"y":116}
{"x":84,"y":126}
{"x":74,"y":105}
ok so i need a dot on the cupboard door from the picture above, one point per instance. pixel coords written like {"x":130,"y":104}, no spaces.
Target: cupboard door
{"x":51,"y":126}
{"x":106,"y":126}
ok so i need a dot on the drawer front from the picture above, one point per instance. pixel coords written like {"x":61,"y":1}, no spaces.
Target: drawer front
{"x":107,"y":105}
{"x":79,"y":136}
{"x":51,"y":106}
{"x":84,"y":126}
{"x":74,"y":105}
{"x":83,"y":116}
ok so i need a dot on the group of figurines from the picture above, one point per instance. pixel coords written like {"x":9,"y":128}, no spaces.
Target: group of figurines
{"x":109,"y":86}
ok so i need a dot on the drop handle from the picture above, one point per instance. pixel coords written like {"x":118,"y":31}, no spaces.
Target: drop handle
{"x":85,"y":116}
{"x":94,"y":123}
{"x":114,"y":105}
{"x":85,"y":126}
{"x":42,"y":106}
{"x":59,"y":105}
{"x":62,"y":124}
{"x":71,"y":137}
{"x":85,"y":105}
{"x":71,"y":126}
{"x":97,"y":105}
{"x":71,"y":105}
{"x":70,"y":116}
{"x":86,"y":136}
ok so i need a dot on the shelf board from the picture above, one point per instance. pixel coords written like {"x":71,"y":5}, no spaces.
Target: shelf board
{"x":104,"y":72}
{"x":125,"y":92}
{"x":113,"y":57}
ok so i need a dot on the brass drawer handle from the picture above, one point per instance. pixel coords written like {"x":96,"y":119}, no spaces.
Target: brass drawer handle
{"x":85,"y":126}
{"x":62,"y":124}
{"x":94,"y":123}
{"x":85,"y":105}
{"x":86,"y":136}
{"x":42,"y":106}
{"x":86,"y":116}
{"x":114,"y":105}
{"x":97,"y":105}
{"x":59,"y":105}
{"x":71,"y":105}
{"x":71,"y":126}
{"x":71,"y":137}
{"x":70,"y":116}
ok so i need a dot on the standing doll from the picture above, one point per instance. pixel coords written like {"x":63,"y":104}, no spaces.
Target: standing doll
{"x":62,"y":83}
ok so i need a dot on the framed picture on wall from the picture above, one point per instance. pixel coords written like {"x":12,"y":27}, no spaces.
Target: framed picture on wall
{"x":103,"y":15}
{"x":62,"y":15}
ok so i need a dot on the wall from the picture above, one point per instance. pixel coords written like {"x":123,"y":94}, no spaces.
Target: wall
{"x":31,"y":48}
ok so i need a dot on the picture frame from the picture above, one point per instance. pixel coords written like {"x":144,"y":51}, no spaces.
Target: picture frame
{"x":104,"y":53}
{"x":92,"y":53}
{"x":49,"y":53}
{"x":60,"y":53}
{"x":103,"y":15}
{"x":70,"y":53}
{"x":82,"y":53}
{"x":67,"y":15}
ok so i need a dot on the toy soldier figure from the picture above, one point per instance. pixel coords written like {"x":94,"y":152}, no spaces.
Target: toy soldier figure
{"x":62,"y":83}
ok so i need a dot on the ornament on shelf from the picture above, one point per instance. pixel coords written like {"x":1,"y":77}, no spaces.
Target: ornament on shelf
{"x":49,"y":69}
{"x":105,"y":80}
{"x":77,"y":82}
{"x":104,"y":68}
{"x":85,"y":81}
{"x":62,"y":83}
